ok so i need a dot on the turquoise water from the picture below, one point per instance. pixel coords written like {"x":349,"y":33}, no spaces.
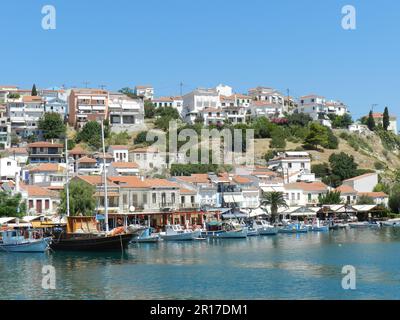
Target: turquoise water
{"x":306,"y":266}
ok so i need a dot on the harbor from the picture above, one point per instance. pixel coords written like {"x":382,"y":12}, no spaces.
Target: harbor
{"x":284,"y":266}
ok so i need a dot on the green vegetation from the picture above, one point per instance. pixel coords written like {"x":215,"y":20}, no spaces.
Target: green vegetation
{"x":121,"y":138}
{"x":386,"y":119}
{"x":365,"y":200}
{"x":14,"y":96}
{"x":52,"y":125}
{"x":11,"y":206}
{"x":274,"y":200}
{"x":34,"y":91}
{"x":340,"y":122}
{"x":331,"y":197}
{"x":188,"y":169}
{"x":81,"y":198}
{"x":91,"y":134}
{"x":149,"y":110}
{"x":343,"y":165}
{"x":371,"y":122}
{"x":356,"y":142}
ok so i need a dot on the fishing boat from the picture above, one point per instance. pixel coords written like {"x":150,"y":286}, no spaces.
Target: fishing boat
{"x":359,"y":225}
{"x":392,"y":223}
{"x":177,"y":233}
{"x":146,"y":236}
{"x":229,"y":230}
{"x":318,"y":227}
{"x":263,"y":228}
{"x":293,"y":228}
{"x":81,"y":234}
{"x":30,"y":240}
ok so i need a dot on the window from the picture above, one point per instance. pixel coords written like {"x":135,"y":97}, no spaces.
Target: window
{"x":173,"y":197}
{"x":309,"y":197}
{"x":154,"y":198}
{"x":135,"y":200}
{"x":8,"y":164}
{"x":303,"y":165}
{"x":163,"y":198}
{"x":192,"y":199}
{"x":290,"y":165}
{"x":182,"y":199}
{"x":124,"y":199}
{"x":145,"y":199}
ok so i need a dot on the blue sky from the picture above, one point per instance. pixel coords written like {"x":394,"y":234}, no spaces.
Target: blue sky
{"x":279,"y":43}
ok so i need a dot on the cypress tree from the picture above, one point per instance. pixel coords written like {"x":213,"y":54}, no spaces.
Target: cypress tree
{"x":386,"y":119}
{"x":34,"y":91}
{"x":371,"y":122}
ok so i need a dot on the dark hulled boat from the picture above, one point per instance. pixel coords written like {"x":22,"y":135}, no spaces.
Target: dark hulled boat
{"x":81,"y":234}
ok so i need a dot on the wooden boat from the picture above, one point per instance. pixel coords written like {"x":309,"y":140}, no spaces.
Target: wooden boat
{"x":30,"y":240}
{"x":81,"y":234}
{"x":228,"y":230}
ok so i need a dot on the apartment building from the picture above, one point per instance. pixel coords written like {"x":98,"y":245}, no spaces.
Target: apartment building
{"x":173,"y":102}
{"x":56,"y":101}
{"x":24,"y":114}
{"x":46,"y":152}
{"x":5,"y":128}
{"x":125,"y":113}
{"x":120,"y":153}
{"x":50,"y":175}
{"x":87,"y":105}
{"x":268,"y":96}
{"x":304,"y":193}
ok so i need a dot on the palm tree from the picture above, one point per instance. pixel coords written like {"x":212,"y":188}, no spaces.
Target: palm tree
{"x":275,"y":200}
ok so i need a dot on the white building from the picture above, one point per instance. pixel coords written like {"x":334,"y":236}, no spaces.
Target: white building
{"x":265,"y":109}
{"x":269,"y":96}
{"x":198,"y":100}
{"x":173,"y":102}
{"x":9,"y":168}
{"x":125,"y":114}
{"x":147,"y":92}
{"x":120,"y":153}
{"x":51,"y":175}
{"x":378,"y":117}
{"x":123,"y":169}
{"x":5,"y":129}
{"x":55,"y":101}
{"x":363,"y":183}
{"x":294,"y":166}
{"x":224,"y":90}
{"x":25,"y":113}
{"x":304,"y":193}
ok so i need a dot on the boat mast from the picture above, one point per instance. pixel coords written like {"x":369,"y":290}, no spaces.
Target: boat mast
{"x":105,"y":178}
{"x":67,"y":175}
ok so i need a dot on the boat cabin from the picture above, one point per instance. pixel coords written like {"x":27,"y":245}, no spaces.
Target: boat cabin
{"x":82,"y":225}
{"x":17,"y":236}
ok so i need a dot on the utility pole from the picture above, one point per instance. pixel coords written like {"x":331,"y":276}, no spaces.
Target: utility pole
{"x":102,"y":86}
{"x":181,"y":86}
{"x":374,"y":105}
{"x":86,"y":83}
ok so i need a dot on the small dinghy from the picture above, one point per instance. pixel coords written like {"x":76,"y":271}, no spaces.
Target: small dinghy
{"x":30,"y":240}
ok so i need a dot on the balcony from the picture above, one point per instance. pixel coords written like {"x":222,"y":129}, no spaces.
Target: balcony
{"x":189,"y":205}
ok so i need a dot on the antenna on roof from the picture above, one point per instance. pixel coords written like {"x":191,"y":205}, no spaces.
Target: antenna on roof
{"x":86,"y":83}
{"x":181,"y":86}
{"x":102,"y":86}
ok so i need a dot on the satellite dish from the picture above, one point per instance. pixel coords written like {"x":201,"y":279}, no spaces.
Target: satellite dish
{"x":131,"y":208}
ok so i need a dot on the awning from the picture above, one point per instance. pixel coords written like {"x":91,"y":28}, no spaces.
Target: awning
{"x":233,"y":198}
{"x":258,"y":212}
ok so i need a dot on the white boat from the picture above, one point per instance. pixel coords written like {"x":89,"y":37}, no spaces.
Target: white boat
{"x":230,"y":230}
{"x":177,"y":233}
{"x":146,"y":237}
{"x":391,"y":223}
{"x":29,"y":240}
{"x":318,"y":227}
{"x":359,"y":225}
{"x":264,"y":228}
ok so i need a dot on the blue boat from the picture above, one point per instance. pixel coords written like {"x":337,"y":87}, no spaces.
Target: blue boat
{"x":294,"y":228}
{"x":146,"y":236}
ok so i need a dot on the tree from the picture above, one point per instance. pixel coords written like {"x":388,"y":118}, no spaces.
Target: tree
{"x":278,"y":138}
{"x":52,"y":125}
{"x":321,"y":170}
{"x":364,"y":199}
{"x":341,"y":121}
{"x":331,"y":197}
{"x":120,"y":138}
{"x":386,"y":119}
{"x":371,"y":122}
{"x":343,"y":165}
{"x":81,"y":200}
{"x":91,"y":134}
{"x":11,"y":206}
{"x":394,"y":198}
{"x":149,"y":109}
{"x":318,"y":136}
{"x":34,"y":91}
{"x":332,"y":140}
{"x":300,"y":119}
{"x":275,"y":200}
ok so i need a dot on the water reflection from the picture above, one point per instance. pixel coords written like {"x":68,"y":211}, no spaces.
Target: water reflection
{"x":271,"y":267}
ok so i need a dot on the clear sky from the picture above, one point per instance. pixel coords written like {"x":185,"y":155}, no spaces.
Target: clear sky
{"x":296,"y":44}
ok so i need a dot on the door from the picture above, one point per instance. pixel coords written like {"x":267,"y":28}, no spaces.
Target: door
{"x":39,"y":206}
